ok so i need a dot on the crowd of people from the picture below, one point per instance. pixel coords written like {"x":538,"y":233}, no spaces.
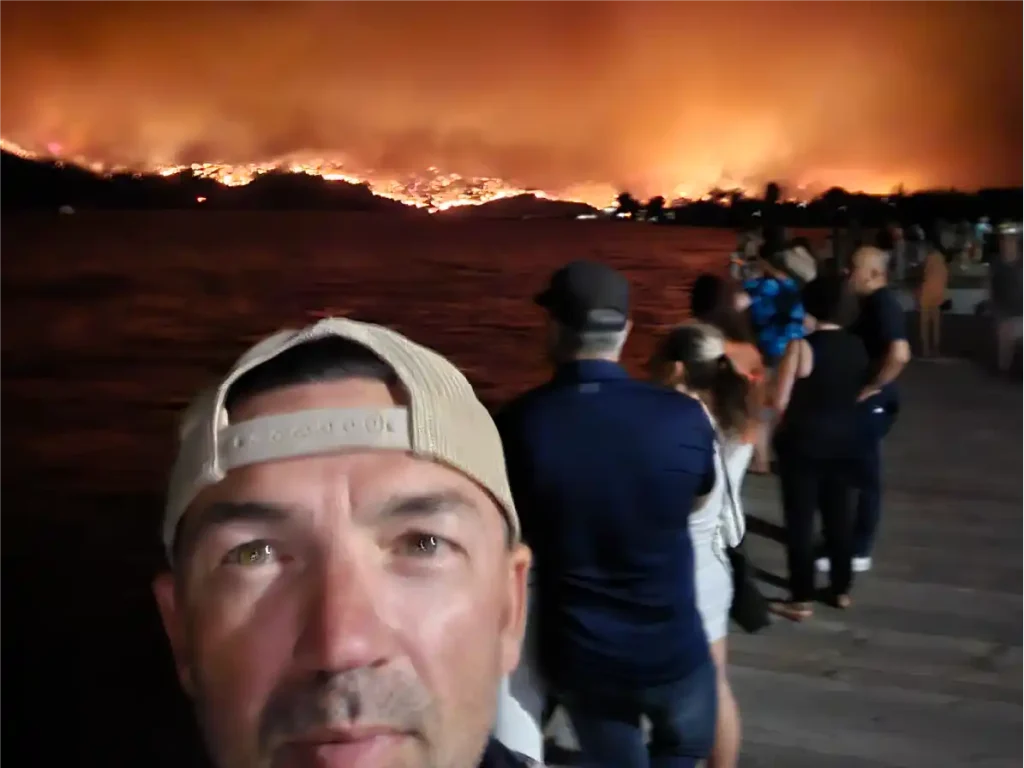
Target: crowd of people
{"x":367,"y":569}
{"x":920,"y":263}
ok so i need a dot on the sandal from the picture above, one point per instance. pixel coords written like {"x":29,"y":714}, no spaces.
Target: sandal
{"x":788,"y":609}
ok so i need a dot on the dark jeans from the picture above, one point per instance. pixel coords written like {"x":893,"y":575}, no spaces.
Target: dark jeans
{"x":683,"y":717}
{"x":878,"y":414}
{"x":810,"y":485}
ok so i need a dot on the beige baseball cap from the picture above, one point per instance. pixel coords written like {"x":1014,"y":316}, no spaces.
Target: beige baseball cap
{"x":443,"y":421}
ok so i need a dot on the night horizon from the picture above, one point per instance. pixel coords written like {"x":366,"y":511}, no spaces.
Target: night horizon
{"x":576,"y":101}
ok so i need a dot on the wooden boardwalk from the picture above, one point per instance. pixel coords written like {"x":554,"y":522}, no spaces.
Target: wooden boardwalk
{"x":925,"y":670}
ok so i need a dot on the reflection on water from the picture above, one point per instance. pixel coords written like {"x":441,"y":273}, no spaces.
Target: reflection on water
{"x":111,"y":321}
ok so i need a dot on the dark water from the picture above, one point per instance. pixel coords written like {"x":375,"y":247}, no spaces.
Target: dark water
{"x":111,"y":321}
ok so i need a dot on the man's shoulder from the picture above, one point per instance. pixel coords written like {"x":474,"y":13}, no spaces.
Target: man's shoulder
{"x":497,"y":755}
{"x":888,"y":305}
{"x":521,"y":404}
{"x":648,"y":394}
{"x":677,"y":413}
{"x":626,"y":393}
{"x":553,"y":391}
{"x":881,"y":316}
{"x":883,"y":298}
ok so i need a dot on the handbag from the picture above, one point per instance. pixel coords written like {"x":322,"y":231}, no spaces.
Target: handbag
{"x":749,"y":607}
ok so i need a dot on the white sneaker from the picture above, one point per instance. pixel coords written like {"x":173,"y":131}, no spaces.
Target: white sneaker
{"x":859,"y":565}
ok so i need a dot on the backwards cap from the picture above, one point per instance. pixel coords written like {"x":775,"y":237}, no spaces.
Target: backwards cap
{"x":444,"y":421}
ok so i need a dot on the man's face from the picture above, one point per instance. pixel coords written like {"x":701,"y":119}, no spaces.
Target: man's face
{"x":861,"y":276}
{"x":353,"y":609}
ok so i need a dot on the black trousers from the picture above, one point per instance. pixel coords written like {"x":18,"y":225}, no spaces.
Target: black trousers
{"x":811,"y":485}
{"x":878,"y":415}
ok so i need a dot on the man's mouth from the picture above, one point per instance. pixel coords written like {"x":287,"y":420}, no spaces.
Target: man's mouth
{"x":364,"y":747}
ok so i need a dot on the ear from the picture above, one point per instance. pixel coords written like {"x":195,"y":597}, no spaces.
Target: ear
{"x":678,"y":372}
{"x":170,"y":603}
{"x":513,"y":620}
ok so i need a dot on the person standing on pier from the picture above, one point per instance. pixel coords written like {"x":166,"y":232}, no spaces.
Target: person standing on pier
{"x":882,"y":327}
{"x":1007,"y":295}
{"x":695,"y":360}
{"x":931,"y":293}
{"x":818,"y":442}
{"x":605,"y":470}
{"x":777,"y":315}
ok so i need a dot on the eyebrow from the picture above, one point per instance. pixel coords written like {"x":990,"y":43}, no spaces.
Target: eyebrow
{"x":221,"y":513}
{"x":426,"y":505}
{"x":441,"y":502}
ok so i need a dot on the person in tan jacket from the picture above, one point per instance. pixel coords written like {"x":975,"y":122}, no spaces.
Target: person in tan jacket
{"x":930,"y":295}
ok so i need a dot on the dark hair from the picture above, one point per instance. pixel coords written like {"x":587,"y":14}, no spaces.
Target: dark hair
{"x":731,"y":403}
{"x":801,"y":242}
{"x":884,"y":240}
{"x":327,"y":359}
{"x":713,"y":301}
{"x":828,"y":299}
{"x":774,"y":242}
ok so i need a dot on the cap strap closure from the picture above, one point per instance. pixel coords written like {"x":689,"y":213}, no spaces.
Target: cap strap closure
{"x":306,"y":433}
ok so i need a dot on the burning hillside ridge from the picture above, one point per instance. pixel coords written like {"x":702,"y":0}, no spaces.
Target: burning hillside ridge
{"x":433,"y":189}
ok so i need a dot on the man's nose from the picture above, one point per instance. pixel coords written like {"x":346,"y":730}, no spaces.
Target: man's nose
{"x":343,"y":624}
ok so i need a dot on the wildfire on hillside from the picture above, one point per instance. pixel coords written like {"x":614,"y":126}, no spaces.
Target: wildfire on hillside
{"x":433,"y":189}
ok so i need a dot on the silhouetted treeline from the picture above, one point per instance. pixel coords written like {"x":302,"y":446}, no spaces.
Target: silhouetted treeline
{"x":33,"y":185}
{"x":835,"y":208}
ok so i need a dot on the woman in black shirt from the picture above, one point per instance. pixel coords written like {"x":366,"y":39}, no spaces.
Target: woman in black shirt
{"x":818,"y":441}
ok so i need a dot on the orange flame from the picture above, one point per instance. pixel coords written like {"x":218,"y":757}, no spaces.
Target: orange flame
{"x":433,"y":190}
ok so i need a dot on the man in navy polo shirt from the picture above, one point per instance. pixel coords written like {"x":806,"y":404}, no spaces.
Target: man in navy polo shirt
{"x":604,"y":470}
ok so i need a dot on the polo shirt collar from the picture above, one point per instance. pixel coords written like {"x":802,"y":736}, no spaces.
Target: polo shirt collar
{"x":590,"y":370}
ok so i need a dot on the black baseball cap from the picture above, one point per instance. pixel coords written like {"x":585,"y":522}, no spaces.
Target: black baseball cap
{"x":587,"y":296}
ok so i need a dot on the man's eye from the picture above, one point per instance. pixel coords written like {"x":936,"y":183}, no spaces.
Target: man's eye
{"x":251,"y":553}
{"x":420,"y":545}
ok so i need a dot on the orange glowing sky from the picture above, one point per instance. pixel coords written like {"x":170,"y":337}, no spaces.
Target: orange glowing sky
{"x":669,"y":98}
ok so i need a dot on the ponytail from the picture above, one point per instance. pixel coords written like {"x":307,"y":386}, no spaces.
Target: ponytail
{"x":732,"y":403}
{"x":709,"y":373}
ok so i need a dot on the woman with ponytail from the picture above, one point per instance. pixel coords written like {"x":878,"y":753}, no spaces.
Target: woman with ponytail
{"x":692,"y":359}
{"x":720,"y":303}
